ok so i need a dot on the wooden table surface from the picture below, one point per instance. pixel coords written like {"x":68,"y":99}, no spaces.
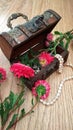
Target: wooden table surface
{"x":59,"y":116}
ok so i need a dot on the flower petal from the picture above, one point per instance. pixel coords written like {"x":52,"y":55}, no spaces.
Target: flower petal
{"x":21,"y":70}
{"x":43,"y":83}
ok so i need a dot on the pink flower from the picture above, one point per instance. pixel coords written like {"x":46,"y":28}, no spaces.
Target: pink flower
{"x":46,"y":43}
{"x":45,"y":58}
{"x":21,"y":70}
{"x":2,"y":74}
{"x":50,"y":37}
{"x":41,"y":89}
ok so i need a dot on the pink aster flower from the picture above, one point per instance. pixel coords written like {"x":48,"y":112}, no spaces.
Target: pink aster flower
{"x":41,"y":88}
{"x":50,"y":37}
{"x":21,"y":70}
{"x":2,"y":74}
{"x":45,"y":58}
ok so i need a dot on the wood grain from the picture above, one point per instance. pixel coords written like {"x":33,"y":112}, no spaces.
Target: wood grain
{"x":60,"y":115}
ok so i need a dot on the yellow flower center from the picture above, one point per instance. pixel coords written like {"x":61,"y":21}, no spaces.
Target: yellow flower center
{"x":43,"y":62}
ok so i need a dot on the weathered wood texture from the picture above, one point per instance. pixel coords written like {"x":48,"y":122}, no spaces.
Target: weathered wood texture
{"x":60,"y":115}
{"x":25,"y":36}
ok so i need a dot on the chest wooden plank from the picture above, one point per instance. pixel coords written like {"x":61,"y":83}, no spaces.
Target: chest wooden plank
{"x":23,"y":37}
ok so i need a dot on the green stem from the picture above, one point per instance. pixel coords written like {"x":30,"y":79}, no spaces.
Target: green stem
{"x":0,"y":94}
{"x":58,"y":40}
{"x":25,"y":114}
{"x":17,"y":120}
{"x":10,"y":113}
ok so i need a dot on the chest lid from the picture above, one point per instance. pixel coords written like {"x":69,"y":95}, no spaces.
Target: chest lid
{"x":25,"y":36}
{"x":30,"y":29}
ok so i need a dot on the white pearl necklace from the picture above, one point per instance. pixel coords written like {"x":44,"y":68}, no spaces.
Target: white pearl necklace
{"x":61,"y":61}
{"x":59,"y":88}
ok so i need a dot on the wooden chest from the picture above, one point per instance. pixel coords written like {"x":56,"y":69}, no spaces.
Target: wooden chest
{"x":31,"y":34}
{"x":23,"y":37}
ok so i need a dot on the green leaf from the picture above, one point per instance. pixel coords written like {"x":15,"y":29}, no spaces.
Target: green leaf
{"x":20,"y":96}
{"x":22,"y":79}
{"x":70,"y":36}
{"x":1,"y":112}
{"x":8,"y":104}
{"x":24,"y":59}
{"x":32,"y":102}
{"x":5,"y":116}
{"x":32,"y":111}
{"x":12,"y":121}
{"x":67,"y":44}
{"x":22,"y":113}
{"x":13,"y":98}
{"x":57,"y":33}
{"x":0,"y":109}
{"x":61,"y":44}
{"x":20,"y":102}
{"x":11,"y":103}
{"x":4,"y":112}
